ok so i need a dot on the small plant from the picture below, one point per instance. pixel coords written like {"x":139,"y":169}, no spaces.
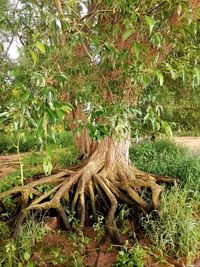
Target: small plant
{"x":99,"y":228}
{"x":66,"y":157}
{"x":122,"y":219}
{"x":76,"y":260}
{"x":72,"y":219}
{"x":10,"y":254}
{"x":79,"y":240}
{"x":130,"y":256}
{"x":58,"y":257}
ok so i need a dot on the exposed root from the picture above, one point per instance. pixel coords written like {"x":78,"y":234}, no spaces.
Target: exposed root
{"x":92,"y":198}
{"x":95,"y":181}
{"x":110,"y":220}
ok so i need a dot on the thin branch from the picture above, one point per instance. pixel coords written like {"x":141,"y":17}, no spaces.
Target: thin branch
{"x":155,"y":8}
{"x":93,"y":13}
{"x":87,"y":52}
{"x":9,"y":46}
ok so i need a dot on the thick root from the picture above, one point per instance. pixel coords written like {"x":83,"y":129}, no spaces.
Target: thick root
{"x":93,"y":181}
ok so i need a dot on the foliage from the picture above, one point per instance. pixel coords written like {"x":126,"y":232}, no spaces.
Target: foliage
{"x":131,"y":256}
{"x":19,"y":251}
{"x":176,"y":231}
{"x":69,"y":59}
{"x":165,"y":158}
{"x":4,"y":230}
{"x":61,"y":139}
{"x":99,"y":228}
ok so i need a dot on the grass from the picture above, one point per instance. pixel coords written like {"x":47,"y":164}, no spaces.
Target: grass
{"x":166,"y":158}
{"x":176,"y":233}
{"x":62,"y":140}
{"x":194,"y":132}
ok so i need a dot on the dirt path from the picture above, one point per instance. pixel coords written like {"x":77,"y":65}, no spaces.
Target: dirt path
{"x":193,"y":143}
{"x":9,"y":164}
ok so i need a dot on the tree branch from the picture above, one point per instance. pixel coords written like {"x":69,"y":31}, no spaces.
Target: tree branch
{"x":155,"y":8}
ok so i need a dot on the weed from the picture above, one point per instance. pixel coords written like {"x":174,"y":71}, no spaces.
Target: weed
{"x":122,"y":219}
{"x":130,"y":256}
{"x":10,"y":253}
{"x":76,"y":260}
{"x":72,"y":218}
{"x":99,"y":228}
{"x":67,"y":157}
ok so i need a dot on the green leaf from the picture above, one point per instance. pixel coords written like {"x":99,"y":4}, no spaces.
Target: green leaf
{"x":127,"y":34}
{"x":47,"y":165}
{"x":151,"y":22}
{"x":136,"y":47}
{"x":160,"y":77}
{"x":26,"y":256}
{"x":179,"y":9}
{"x":66,"y":108}
{"x":108,"y":46}
{"x":41,"y":47}
{"x":34,"y":57}
{"x":197,"y":72}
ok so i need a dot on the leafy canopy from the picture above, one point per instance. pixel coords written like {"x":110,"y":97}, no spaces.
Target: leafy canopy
{"x":95,"y":56}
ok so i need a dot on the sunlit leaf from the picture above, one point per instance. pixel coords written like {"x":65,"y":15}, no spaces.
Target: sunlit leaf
{"x":41,"y":47}
{"x":34,"y":57}
{"x":150,"y":21}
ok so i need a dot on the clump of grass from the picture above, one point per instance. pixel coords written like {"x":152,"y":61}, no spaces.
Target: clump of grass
{"x":166,"y":158}
{"x":193,"y":132}
{"x":176,"y":232}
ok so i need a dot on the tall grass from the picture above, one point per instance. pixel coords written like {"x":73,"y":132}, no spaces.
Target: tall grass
{"x":176,"y":233}
{"x":166,"y":158}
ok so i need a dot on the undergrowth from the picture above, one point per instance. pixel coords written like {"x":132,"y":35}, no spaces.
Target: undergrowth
{"x":7,"y":141}
{"x":166,"y":158}
{"x":18,"y":252}
{"x":176,"y":231}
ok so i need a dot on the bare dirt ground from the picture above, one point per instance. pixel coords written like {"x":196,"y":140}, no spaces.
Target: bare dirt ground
{"x":193,"y":143}
{"x":9,"y":164}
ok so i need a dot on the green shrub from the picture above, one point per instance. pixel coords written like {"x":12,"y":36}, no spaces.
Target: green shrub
{"x":66,"y":157}
{"x":176,"y":232}
{"x":5,"y":143}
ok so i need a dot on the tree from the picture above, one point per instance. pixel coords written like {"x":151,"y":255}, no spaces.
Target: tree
{"x":92,"y":60}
